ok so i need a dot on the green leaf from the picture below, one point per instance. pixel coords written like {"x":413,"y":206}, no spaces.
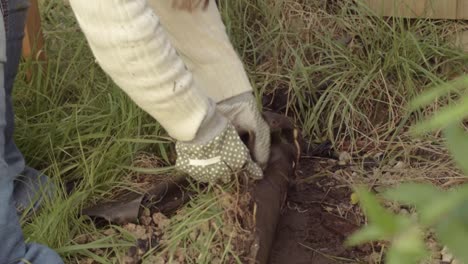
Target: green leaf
{"x":377,"y":215}
{"x":438,"y":208}
{"x":453,"y":232}
{"x":366,"y":234}
{"x":407,"y":248}
{"x":416,"y":194}
{"x":457,"y":143}
{"x":438,"y":91}
{"x":451,"y":114}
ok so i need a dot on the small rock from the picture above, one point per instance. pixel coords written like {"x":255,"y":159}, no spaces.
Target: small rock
{"x":434,"y":249}
{"x":140,"y":232}
{"x":180,"y":254}
{"x":145,"y":220}
{"x":130,"y":227}
{"x":154,"y":260}
{"x":342,"y":163}
{"x":87,"y":261}
{"x":146,"y":212}
{"x":128,"y":260}
{"x":403,"y":211}
{"x":216,"y":260}
{"x":204,"y":227}
{"x":345,"y":157}
{"x":161,"y":221}
{"x":150,"y":229}
{"x":109,"y":232}
{"x":446,"y":255}
{"x":216,"y":251}
{"x":456,"y":261}
{"x":82,"y":239}
{"x":137,"y":231}
{"x":193,"y":235}
{"x":400,"y":165}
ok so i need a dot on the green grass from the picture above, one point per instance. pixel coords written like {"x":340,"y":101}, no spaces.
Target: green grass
{"x":300,"y":47}
{"x":76,"y":125}
{"x":206,"y":230}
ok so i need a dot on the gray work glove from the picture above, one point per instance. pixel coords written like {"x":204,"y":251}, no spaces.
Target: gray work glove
{"x":216,"y":153}
{"x":242,"y":111}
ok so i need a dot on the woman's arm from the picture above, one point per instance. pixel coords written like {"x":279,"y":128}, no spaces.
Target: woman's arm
{"x":130,"y":44}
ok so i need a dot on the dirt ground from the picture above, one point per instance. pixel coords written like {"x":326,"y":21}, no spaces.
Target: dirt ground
{"x":316,"y":220}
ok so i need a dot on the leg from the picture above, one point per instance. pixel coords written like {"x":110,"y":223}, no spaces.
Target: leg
{"x":28,"y":184}
{"x":13,"y":249}
{"x":17,"y":11}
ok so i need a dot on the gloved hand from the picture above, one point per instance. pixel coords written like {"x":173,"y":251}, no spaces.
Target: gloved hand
{"x":216,"y":152}
{"x":242,"y":111}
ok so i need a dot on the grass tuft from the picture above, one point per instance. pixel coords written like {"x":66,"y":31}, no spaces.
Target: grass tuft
{"x":346,"y":76}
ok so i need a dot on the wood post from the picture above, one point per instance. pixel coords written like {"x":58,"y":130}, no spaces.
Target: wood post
{"x":436,"y":9}
{"x":33,"y":41}
{"x":433,"y":9}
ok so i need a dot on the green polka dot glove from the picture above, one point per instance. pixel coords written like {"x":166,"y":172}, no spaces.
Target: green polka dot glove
{"x":218,"y":158}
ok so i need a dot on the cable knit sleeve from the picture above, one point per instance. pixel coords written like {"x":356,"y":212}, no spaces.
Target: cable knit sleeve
{"x":131,"y":46}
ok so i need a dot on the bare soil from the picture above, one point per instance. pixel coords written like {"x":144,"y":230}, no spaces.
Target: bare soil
{"x":316,"y":220}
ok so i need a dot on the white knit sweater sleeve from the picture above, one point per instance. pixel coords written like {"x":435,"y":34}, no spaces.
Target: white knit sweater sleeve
{"x":131,"y":46}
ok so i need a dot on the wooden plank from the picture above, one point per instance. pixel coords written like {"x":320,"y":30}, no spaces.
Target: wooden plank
{"x":446,"y":9}
{"x":462,"y":40}
{"x":462,"y":9}
{"x":443,"y":8}
{"x":33,"y":42}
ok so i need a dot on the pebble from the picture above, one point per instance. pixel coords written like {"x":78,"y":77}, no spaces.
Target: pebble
{"x":403,"y":211}
{"x":345,"y":156}
{"x":216,"y":260}
{"x":109,"y":232}
{"x":87,"y":261}
{"x":140,"y":232}
{"x":446,"y":255}
{"x":128,"y":260}
{"x":161,"y":221}
{"x":82,"y":239}
{"x":130,"y":227}
{"x":193,"y":235}
{"x":400,"y":165}
{"x":145,"y":220}
{"x":180,"y":253}
{"x":154,"y":260}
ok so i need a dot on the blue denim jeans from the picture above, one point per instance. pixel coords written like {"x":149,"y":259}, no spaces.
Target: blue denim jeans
{"x":17,"y":182}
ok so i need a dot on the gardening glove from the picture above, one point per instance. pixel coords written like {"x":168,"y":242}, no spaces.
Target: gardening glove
{"x":216,"y":152}
{"x":242,"y":112}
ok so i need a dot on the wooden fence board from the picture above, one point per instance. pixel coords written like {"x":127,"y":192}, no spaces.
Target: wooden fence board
{"x":462,"y":9}
{"x":437,"y":9}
